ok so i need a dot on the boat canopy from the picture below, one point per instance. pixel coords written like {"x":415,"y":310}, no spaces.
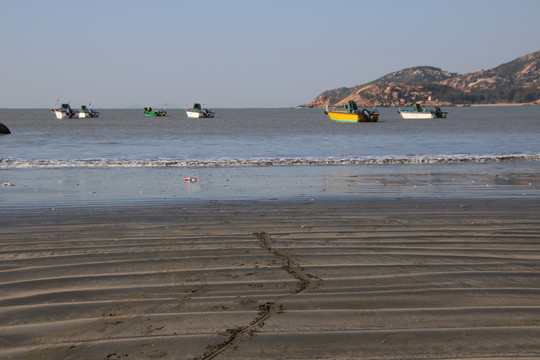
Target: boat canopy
{"x":418,"y":107}
{"x":351,"y":106}
{"x":196,"y":106}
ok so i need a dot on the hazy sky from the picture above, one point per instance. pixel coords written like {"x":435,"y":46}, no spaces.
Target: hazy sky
{"x":231,"y":53}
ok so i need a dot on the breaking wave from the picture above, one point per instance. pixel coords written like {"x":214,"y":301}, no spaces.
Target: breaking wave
{"x":416,"y":159}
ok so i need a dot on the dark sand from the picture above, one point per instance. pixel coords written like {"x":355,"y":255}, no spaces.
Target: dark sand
{"x":400,"y":279}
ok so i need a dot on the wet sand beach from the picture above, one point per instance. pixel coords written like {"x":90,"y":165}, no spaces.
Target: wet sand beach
{"x":331,"y":279}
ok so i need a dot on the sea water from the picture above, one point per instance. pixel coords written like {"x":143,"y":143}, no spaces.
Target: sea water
{"x":124,"y":157}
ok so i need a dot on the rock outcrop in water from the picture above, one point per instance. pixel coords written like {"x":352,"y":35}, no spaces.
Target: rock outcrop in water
{"x":4,"y":129}
{"x":517,"y":81}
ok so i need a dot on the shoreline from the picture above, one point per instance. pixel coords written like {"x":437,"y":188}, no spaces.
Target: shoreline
{"x":73,"y":187}
{"x":534,"y":103}
{"x":434,"y":103}
{"x":380,"y":279}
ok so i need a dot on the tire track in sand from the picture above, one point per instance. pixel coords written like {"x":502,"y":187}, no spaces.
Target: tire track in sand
{"x":306,"y":283}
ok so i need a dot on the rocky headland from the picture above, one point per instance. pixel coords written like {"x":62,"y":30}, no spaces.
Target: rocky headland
{"x":515,"y":82}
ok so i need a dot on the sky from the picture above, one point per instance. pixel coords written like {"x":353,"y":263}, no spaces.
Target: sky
{"x":242,"y":54}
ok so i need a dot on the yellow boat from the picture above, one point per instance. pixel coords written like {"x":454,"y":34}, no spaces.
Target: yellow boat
{"x":350,"y":113}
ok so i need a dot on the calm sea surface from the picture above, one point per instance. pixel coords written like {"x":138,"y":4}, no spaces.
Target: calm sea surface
{"x":249,"y":153}
{"x":252,"y":136}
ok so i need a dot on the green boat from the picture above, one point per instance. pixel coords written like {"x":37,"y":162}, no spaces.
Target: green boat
{"x":148,"y":111}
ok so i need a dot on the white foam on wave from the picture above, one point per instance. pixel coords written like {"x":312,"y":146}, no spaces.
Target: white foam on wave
{"x":366,"y":160}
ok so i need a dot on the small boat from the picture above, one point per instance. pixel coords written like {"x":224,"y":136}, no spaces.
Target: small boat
{"x":64,"y":111}
{"x":148,"y":111}
{"x":197,"y":112}
{"x":351,"y":113}
{"x":420,"y":113}
{"x":86,"y":112}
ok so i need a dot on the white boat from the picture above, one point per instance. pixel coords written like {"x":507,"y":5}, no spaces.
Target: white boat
{"x":197,"y":112}
{"x":86,"y":112}
{"x":63,"y":112}
{"x":419,"y":113}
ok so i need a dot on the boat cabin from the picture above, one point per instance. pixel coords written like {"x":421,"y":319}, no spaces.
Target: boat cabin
{"x":351,"y":106}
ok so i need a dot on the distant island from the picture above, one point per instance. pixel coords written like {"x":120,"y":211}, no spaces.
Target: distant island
{"x":515,"y":82}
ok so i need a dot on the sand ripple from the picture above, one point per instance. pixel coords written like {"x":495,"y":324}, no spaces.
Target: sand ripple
{"x":337,"y":280}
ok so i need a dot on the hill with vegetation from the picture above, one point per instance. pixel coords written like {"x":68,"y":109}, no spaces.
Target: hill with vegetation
{"x":515,"y":82}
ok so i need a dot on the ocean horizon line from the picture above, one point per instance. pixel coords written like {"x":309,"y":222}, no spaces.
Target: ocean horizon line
{"x":176,"y":107}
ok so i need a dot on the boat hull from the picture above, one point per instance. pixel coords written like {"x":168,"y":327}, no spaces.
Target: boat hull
{"x":199,"y":114}
{"x":416,"y":115}
{"x":60,"y":114}
{"x":340,"y":116}
{"x":155,"y":113}
{"x":193,"y":114}
{"x":85,"y":115}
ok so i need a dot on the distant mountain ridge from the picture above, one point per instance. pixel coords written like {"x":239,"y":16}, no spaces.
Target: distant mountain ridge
{"x":416,"y":74}
{"x":517,"y":81}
